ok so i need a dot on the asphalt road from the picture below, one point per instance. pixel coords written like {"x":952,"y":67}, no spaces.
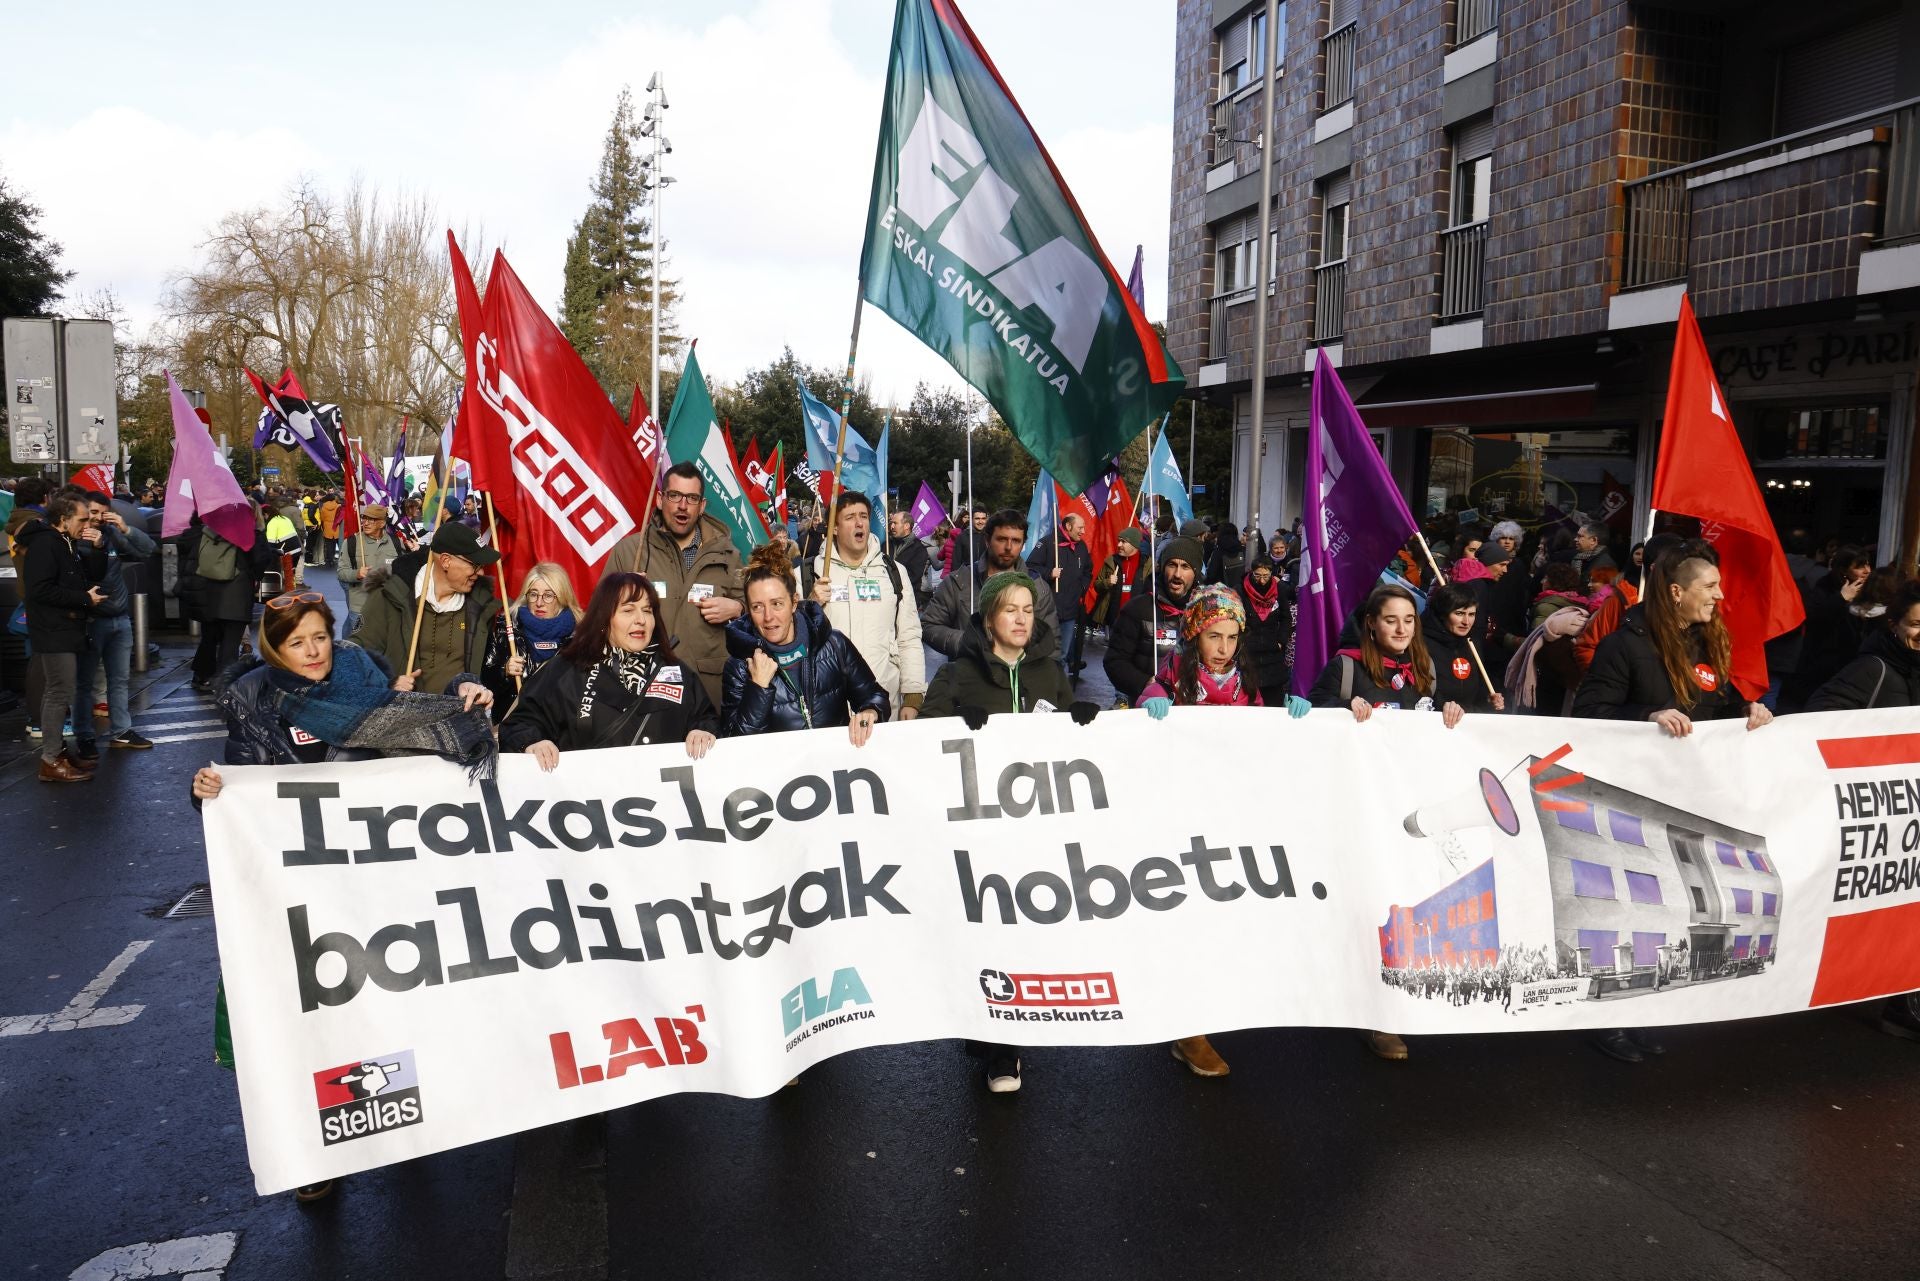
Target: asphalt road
{"x":1771,"y":1148}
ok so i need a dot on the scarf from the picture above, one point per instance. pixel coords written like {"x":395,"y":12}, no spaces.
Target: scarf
{"x":355,"y":707}
{"x":1259,"y":604}
{"x":633,"y":670}
{"x":439,"y":605}
{"x":544,"y":636}
{"x":1389,"y":666}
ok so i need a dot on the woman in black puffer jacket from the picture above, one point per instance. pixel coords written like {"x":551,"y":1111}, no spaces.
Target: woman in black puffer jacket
{"x":616,"y":682}
{"x":787,"y":668}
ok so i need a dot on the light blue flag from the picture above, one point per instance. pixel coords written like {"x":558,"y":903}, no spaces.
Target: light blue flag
{"x":1166,"y":480}
{"x":1042,"y":513}
{"x":859,"y":468}
{"x":880,"y":493}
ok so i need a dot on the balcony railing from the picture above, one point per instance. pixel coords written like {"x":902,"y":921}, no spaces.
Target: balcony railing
{"x":1463,"y":271}
{"x":1473,"y":19}
{"x":1660,"y":236}
{"x":1217,"y":331}
{"x":1337,"y":50}
{"x":1330,"y":301}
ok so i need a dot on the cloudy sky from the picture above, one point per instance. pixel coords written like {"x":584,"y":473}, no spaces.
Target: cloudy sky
{"x":144,"y":131}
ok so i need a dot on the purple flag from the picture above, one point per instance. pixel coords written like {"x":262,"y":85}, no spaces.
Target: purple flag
{"x":1136,"y":279}
{"x":1355,"y":527}
{"x":1098,"y":492}
{"x":199,"y":482}
{"x":927,"y":512}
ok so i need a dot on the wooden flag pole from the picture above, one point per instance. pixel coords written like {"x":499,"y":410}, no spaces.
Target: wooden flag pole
{"x":1440,"y":580}
{"x":840,"y":446}
{"x":500,"y":569}
{"x":420,"y":606}
{"x":359,"y":525}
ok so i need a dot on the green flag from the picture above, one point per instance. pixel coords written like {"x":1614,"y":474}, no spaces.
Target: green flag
{"x":693,"y":436}
{"x":975,"y":244}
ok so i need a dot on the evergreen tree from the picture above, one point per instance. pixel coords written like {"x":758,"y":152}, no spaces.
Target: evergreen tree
{"x":30,"y":276}
{"x":606,"y":306}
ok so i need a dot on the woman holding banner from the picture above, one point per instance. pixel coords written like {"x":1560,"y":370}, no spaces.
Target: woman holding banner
{"x":1459,"y":674}
{"x":616,"y":682}
{"x":787,"y":668}
{"x":989,"y":677}
{"x":1669,"y":662}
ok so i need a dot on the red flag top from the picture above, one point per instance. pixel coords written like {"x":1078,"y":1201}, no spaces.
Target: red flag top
{"x":540,"y":436}
{"x":1703,"y":473}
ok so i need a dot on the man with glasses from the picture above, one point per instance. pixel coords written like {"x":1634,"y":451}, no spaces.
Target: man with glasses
{"x":454,"y":626}
{"x":690,"y":558}
{"x":380,"y":552}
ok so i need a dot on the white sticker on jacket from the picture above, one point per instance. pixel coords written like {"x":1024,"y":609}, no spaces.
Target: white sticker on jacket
{"x":669,"y":675}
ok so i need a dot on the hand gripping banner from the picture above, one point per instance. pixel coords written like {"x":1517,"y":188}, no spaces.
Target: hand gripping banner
{"x":413,"y":963}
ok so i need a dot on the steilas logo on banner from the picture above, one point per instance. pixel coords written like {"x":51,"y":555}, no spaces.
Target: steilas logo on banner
{"x":368,"y":1096}
{"x":590,"y":516}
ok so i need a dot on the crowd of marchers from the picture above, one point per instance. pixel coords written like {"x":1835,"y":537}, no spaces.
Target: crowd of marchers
{"x":680,"y":642}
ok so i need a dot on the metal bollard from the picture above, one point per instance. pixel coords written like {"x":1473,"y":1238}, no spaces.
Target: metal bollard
{"x":139,"y":631}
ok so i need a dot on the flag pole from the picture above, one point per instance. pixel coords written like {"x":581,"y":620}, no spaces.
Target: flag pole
{"x":840,"y":446}
{"x":359,"y":525}
{"x":500,"y":568}
{"x":1152,"y":533}
{"x":1440,"y":579}
{"x":420,"y":606}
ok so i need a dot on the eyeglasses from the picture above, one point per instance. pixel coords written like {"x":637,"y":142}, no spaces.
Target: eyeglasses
{"x":543,"y":595}
{"x":679,"y":499}
{"x":290,"y":599}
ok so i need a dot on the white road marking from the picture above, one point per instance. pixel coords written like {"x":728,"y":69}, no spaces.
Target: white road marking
{"x":218,"y":720}
{"x":84,"y":1010}
{"x":191,"y":738}
{"x":199,"y":1258}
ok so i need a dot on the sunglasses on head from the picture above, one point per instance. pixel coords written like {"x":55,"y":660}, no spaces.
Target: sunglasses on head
{"x":290,"y":599}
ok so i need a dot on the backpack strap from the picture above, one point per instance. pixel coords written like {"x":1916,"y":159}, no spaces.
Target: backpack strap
{"x":1873,"y":697}
{"x":1346,"y":680}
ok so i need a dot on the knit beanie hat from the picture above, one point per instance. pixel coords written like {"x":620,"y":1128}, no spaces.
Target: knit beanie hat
{"x":1209,"y":605}
{"x":1195,"y":528}
{"x":1182,"y":549}
{"x":1130,"y":536}
{"x":1492,"y":553}
{"x":997,"y":586}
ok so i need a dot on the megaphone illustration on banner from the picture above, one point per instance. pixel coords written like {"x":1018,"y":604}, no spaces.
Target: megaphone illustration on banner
{"x":1487,"y":802}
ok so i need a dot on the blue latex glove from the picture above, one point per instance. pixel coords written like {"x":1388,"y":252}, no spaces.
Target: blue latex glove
{"x":1297,"y":706}
{"x":1158,"y":707}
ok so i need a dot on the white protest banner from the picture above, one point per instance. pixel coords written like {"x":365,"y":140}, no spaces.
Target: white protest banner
{"x":413,"y":962}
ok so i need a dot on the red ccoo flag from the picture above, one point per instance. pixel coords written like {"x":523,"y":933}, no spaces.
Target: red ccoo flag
{"x":539,"y":434}
{"x":1703,"y":473}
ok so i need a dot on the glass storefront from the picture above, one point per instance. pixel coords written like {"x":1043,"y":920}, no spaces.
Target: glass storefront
{"x":1537,"y":478}
{"x":1820,"y":466}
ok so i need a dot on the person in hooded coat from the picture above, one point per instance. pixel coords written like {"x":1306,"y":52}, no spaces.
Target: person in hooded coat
{"x":1270,"y":601}
{"x":1459,"y":671}
{"x":787,"y":668}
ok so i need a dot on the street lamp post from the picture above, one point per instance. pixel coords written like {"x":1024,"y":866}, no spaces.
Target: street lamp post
{"x":656,"y":183}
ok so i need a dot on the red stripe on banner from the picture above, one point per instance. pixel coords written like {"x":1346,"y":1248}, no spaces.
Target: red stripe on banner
{"x":1549,"y":760}
{"x":1565,"y":780}
{"x":1568,"y":807}
{"x":1878,"y":749}
{"x":1156,"y":355}
{"x":1869,"y":954}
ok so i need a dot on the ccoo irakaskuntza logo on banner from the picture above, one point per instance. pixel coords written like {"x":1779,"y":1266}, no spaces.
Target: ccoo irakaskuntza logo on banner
{"x":1052,"y":998}
{"x":368,"y":1096}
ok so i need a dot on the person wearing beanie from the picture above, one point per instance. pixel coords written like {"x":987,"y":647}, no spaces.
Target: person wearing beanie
{"x":1481,"y":574}
{"x":1150,"y":624}
{"x":999,"y":671}
{"x":944,"y":624}
{"x":1270,"y":602}
{"x":1119,"y":574}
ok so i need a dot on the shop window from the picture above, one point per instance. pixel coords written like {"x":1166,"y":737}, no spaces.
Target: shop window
{"x":1757,"y":862}
{"x":1646,"y":947}
{"x":1727,"y":856}
{"x":1592,"y":880}
{"x":1743,"y":902}
{"x":1644,"y":887}
{"x":1626,"y":828}
{"x":1769,"y":905}
{"x":1580,"y":820}
{"x":1530,"y":474}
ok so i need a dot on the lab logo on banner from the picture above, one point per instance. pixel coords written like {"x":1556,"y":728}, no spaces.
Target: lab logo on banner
{"x":368,"y":1096}
{"x":1082,"y":998}
{"x":805,"y":1006}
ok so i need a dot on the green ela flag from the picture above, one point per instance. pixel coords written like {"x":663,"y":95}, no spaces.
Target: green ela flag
{"x":693,"y":435}
{"x":975,"y":245}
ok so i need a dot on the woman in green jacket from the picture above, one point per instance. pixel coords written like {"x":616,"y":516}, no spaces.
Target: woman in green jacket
{"x":989,"y":677}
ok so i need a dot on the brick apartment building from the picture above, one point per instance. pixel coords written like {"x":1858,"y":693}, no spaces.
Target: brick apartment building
{"x":1485,"y":211}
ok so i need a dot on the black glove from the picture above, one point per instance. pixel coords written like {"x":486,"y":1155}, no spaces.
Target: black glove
{"x":1083,"y":712}
{"x":975,"y":717}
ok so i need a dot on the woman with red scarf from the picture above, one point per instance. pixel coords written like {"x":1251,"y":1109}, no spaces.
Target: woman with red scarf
{"x":1270,"y":606}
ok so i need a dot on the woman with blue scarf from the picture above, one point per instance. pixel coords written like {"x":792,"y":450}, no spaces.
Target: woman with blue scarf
{"x":541,"y":622}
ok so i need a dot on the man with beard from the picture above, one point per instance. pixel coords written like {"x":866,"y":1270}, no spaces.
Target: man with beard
{"x":944,"y":624}
{"x":912,"y":555}
{"x":866,"y":595}
{"x":1149,"y":626}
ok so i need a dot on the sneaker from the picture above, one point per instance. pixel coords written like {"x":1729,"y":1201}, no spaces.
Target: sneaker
{"x":1616,"y":1044}
{"x":1003,"y":1074}
{"x":101,"y":711}
{"x":33,"y":731}
{"x":131,"y":740}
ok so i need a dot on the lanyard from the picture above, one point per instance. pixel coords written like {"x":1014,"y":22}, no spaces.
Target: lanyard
{"x":798,"y":697}
{"x":1013,"y":679}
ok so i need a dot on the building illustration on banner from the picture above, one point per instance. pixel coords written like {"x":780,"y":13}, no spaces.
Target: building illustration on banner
{"x":1582,"y":890}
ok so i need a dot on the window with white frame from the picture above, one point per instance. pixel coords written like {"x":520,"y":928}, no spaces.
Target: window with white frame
{"x":1472,"y":143}
{"x":1336,"y":195}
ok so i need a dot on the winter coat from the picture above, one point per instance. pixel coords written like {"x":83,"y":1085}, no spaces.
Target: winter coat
{"x":386,"y":624}
{"x":1468,"y":572}
{"x":978,"y":677}
{"x":1267,"y":638}
{"x":1834,"y":633}
{"x":230,"y":600}
{"x":882,"y":624}
{"x":329,"y":516}
{"x":1600,"y":560}
{"x":1076,"y":575}
{"x":912,"y":556}
{"x":1886,"y":674}
{"x":1347,"y":668}
{"x":1603,"y":623}
{"x":381,"y":553}
{"x":576,"y":707}
{"x":1627,"y":681}
{"x":116,"y":549}
{"x":1143,"y":633}
{"x":1230,"y":690}
{"x":715,"y":572}
{"x":1115,"y":583}
{"x":1457,"y":678}
{"x":256,"y":734}
{"x":1547,"y":604}
{"x":835,"y":679}
{"x":945,"y":623}
{"x":54,"y":577}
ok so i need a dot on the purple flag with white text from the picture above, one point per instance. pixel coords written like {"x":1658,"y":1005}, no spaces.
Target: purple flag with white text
{"x":927,"y":512}
{"x":1353,"y":529}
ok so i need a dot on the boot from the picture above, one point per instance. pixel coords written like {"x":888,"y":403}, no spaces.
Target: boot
{"x":1386,"y":1045}
{"x":1200,"y":1057}
{"x":1616,"y":1044}
{"x":58,"y":770}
